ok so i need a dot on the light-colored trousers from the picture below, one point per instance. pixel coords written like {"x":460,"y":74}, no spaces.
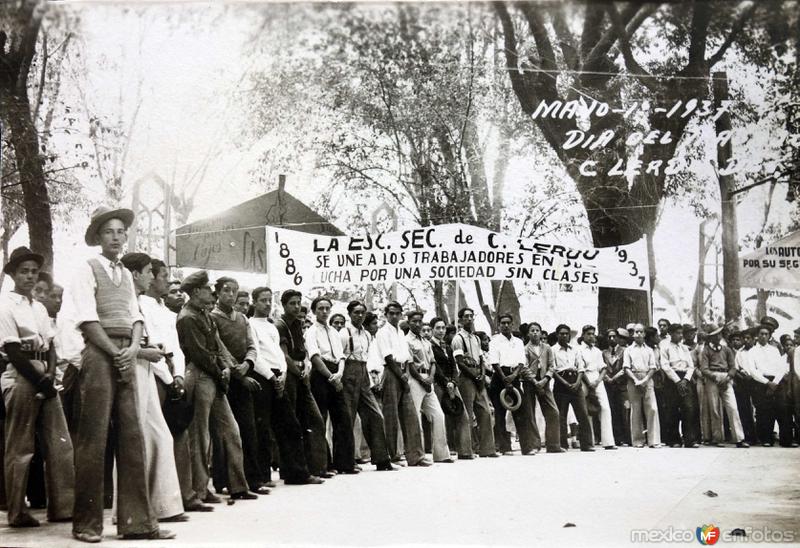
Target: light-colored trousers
{"x":643,"y":399}
{"x":162,"y":474}
{"x":606,"y":425}
{"x":428,"y":403}
{"x":714,"y":396}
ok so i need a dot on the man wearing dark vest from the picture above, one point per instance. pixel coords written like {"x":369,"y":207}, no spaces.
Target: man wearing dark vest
{"x":208,"y":375}
{"x":234,"y":331}
{"x":107,"y":313}
{"x":297,"y":387}
{"x":537,"y":375}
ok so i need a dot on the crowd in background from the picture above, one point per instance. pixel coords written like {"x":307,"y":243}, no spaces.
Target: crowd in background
{"x":155,"y":397}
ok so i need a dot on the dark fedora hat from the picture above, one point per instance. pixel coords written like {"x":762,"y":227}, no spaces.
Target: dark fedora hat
{"x":19,"y":256}
{"x":511,"y":400}
{"x":452,"y":404}
{"x":100,"y":216}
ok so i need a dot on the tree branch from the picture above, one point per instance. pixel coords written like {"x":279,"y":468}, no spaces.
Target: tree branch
{"x":523,"y":92}
{"x":736,"y":28}
{"x":37,"y":105}
{"x":701,"y":16}
{"x":31,"y":15}
{"x":631,"y":64}
{"x":605,"y":43}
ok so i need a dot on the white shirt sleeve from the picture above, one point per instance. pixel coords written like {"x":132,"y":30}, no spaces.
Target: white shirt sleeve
{"x":312,"y":345}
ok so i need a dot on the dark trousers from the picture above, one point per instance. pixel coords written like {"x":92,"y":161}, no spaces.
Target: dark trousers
{"x":743,"y":389}
{"x":26,"y":419}
{"x":523,"y":420}
{"x":459,"y":428}
{"x":331,"y":403}
{"x":399,"y":410}
{"x":242,"y":404}
{"x":361,"y":400}
{"x":564,"y":398}
{"x":552,"y":425}
{"x":276,"y":419}
{"x":262,"y":412}
{"x":71,"y":398}
{"x":680,"y":410}
{"x":212,"y":412}
{"x":104,"y":398}
{"x":37,"y":498}
{"x":476,"y":402}
{"x":299,"y":400}
{"x":620,"y":411}
{"x":771,"y":408}
{"x":665,"y":402}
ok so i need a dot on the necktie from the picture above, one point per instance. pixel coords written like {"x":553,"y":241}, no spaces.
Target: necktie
{"x":116,"y":273}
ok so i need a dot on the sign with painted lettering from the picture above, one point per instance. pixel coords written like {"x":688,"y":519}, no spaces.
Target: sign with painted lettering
{"x":446,"y":252}
{"x":774,"y":266}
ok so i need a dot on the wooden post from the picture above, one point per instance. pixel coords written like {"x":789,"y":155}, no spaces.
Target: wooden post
{"x":730,"y":232}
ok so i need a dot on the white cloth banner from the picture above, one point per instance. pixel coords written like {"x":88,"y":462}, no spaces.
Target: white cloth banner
{"x":446,"y":252}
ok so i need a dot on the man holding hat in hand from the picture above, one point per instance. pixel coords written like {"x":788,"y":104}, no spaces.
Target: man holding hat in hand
{"x":32,"y":406}
{"x":107,"y":313}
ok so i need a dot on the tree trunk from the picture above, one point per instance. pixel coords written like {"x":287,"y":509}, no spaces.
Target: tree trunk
{"x":730,"y":232}
{"x":438,"y":298}
{"x":36,"y":198}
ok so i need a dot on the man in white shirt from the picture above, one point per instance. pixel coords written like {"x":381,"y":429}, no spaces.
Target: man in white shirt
{"x":567,"y":390}
{"x":639,"y":364}
{"x":327,"y":357}
{"x":771,"y":373}
{"x":170,"y":372}
{"x":272,"y":407}
{"x":679,"y":394}
{"x":32,"y":408}
{"x":743,"y":384}
{"x":594,"y":368}
{"x":507,"y":357}
{"x":361,"y":401}
{"x":421,"y":369}
{"x":398,"y":405}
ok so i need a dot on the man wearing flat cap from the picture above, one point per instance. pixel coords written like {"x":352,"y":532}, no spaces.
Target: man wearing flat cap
{"x":208,"y":376}
{"x":105,"y":310}
{"x":33,"y":409}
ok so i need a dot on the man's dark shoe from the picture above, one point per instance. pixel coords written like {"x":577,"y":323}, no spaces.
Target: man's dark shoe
{"x":25,"y":520}
{"x":244,"y":495}
{"x":743,"y":444}
{"x":310,"y":480}
{"x":557,"y":450}
{"x":491,"y":456}
{"x":445,"y":461}
{"x":271,"y":484}
{"x":158,"y":534}
{"x":261,"y":490}
{"x":613,"y":448}
{"x":465,"y":457}
{"x":197,"y":506}
{"x":588,"y":450}
{"x":175,"y":519}
{"x":385,"y":467}
{"x":350,"y":472}
{"x":327,"y":475}
{"x":422,"y":462}
{"x":211,"y":498}
{"x":87,"y":537}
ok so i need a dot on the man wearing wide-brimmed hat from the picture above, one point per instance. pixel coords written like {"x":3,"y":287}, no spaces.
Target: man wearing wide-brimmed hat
{"x":718,"y":366}
{"x":33,"y":409}
{"x":106,"y":311}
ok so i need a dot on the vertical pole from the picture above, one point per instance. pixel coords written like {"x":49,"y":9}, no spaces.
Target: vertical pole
{"x":730,"y":233}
